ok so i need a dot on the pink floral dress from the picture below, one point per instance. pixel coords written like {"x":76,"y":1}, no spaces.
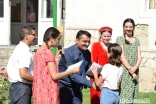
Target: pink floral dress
{"x":45,"y":89}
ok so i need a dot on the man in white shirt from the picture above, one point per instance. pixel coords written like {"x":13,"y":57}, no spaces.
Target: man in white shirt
{"x":20,"y":68}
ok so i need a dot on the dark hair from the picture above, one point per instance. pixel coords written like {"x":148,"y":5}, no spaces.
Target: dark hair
{"x":25,"y":30}
{"x":50,"y":32}
{"x":82,"y":32}
{"x":133,"y":23}
{"x":115,"y":52}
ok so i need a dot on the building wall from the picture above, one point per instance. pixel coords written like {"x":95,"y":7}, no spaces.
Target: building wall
{"x":93,"y":14}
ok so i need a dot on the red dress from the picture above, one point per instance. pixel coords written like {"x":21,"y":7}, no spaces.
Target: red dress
{"x":45,"y":89}
{"x":99,"y":55}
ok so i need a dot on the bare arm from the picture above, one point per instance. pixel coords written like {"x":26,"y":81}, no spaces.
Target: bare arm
{"x":25,"y":74}
{"x":98,"y":80}
{"x":56,"y":75}
{"x":138,"y":60}
{"x":124,"y":60}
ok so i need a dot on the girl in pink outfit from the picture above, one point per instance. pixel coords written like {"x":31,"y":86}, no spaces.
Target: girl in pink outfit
{"x":46,"y":75}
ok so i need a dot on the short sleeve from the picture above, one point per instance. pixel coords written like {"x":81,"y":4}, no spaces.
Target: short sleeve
{"x":48,"y":56}
{"x":120,"y":40}
{"x":137,"y":40}
{"x":24,"y":60}
{"x":104,"y":73}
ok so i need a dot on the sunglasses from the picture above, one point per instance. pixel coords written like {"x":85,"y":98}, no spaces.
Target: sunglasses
{"x":33,"y":34}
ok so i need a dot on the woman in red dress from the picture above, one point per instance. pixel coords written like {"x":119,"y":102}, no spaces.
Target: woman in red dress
{"x":46,"y":74}
{"x":99,"y":55}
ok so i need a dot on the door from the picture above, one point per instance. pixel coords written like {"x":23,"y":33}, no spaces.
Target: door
{"x":5,"y":22}
{"x":23,"y":12}
{"x":45,"y":17}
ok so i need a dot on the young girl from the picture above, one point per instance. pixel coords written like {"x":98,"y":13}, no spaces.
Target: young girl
{"x":110,"y":76}
{"x":46,"y":75}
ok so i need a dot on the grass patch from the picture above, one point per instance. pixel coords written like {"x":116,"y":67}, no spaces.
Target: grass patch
{"x":86,"y":96}
{"x":148,"y":96}
{"x":143,"y":97}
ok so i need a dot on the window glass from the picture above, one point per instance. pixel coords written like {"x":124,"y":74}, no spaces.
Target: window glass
{"x":32,"y":11}
{"x":15,"y":11}
{"x":152,"y":4}
{"x":1,"y":8}
{"x":49,"y":9}
{"x":63,"y":12}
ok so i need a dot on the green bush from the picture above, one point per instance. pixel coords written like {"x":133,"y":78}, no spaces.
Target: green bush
{"x":4,"y":87}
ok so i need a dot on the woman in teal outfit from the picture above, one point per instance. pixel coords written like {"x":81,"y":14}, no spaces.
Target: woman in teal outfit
{"x":131,"y":59}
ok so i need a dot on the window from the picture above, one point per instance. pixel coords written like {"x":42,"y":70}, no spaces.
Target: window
{"x":63,"y":11}
{"x":147,"y":8}
{"x":152,"y":4}
{"x":1,"y":8}
{"x":49,"y":9}
{"x":15,"y":11}
{"x":32,"y":11}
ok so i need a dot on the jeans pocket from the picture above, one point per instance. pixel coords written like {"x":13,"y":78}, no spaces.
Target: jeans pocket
{"x":15,"y":92}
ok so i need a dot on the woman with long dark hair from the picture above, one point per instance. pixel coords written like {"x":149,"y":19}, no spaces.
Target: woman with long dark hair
{"x":131,"y":59}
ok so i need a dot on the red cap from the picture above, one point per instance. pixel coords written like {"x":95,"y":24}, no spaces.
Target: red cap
{"x":105,"y":29}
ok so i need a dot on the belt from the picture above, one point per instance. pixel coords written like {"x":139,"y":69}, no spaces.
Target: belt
{"x":23,"y":83}
{"x":111,"y":89}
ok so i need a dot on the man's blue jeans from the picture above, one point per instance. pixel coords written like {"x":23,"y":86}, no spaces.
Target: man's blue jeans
{"x":20,"y":93}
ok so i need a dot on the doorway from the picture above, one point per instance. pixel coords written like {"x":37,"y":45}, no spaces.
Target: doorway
{"x":23,"y":12}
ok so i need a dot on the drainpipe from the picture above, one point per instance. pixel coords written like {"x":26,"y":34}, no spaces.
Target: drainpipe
{"x":54,"y":21}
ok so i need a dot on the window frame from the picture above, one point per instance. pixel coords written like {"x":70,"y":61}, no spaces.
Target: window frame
{"x":144,"y":10}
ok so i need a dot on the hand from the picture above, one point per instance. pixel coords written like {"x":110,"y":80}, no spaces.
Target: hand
{"x":94,"y":86}
{"x":75,"y":70}
{"x":58,"y":55}
{"x":101,"y":86}
{"x":134,"y":76}
{"x":132,"y":70}
{"x":94,"y":69}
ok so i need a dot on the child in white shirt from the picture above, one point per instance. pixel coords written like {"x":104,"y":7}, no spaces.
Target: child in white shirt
{"x":110,"y":76}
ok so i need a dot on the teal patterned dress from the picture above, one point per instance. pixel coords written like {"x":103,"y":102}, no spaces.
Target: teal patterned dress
{"x":129,"y":87}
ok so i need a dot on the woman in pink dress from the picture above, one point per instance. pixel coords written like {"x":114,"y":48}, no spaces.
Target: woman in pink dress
{"x":46,"y":75}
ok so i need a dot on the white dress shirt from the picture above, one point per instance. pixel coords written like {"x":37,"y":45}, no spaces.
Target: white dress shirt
{"x":20,"y":58}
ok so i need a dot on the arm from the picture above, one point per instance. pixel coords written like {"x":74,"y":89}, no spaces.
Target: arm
{"x":98,"y":80}
{"x":124,"y":60}
{"x":25,"y":74}
{"x":55,"y":75}
{"x":71,"y":57}
{"x":120,"y":40}
{"x":138,"y":61}
{"x":25,"y":59}
{"x":58,"y":55}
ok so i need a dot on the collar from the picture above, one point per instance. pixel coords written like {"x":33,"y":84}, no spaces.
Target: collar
{"x":77,"y":51}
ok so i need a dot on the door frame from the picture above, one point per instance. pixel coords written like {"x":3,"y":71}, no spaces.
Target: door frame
{"x":5,"y":23}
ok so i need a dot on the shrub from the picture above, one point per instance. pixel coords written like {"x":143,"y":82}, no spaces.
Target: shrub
{"x":4,"y":87}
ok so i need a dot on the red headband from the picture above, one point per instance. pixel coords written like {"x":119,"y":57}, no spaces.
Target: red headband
{"x":105,"y":29}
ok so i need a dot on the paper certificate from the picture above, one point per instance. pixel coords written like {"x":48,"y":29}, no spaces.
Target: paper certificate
{"x":99,"y":68}
{"x":78,"y":64}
